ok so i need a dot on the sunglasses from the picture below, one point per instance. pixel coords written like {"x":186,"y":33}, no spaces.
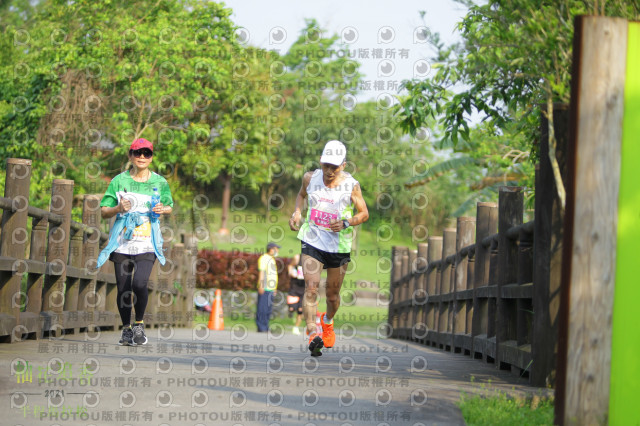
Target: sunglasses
{"x":142,"y":152}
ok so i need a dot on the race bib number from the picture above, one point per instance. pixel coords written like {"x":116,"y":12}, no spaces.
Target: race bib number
{"x":143,"y":231}
{"x":322,"y":219}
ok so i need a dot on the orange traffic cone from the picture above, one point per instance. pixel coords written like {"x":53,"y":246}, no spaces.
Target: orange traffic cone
{"x":216,"y":319}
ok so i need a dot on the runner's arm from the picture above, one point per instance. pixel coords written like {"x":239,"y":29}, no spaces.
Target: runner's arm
{"x":361,"y":207}
{"x":302,"y":194}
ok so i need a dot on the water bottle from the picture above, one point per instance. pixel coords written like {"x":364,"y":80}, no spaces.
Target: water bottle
{"x":155,"y":199}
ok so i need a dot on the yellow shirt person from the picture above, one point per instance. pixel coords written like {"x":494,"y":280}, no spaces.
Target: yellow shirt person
{"x":267,"y":285}
{"x":268,"y":272}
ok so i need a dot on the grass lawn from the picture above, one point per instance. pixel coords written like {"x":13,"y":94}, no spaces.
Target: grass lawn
{"x":499,"y":409}
{"x":250,"y":230}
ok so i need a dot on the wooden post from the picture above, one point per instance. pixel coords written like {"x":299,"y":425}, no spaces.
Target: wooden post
{"x":72,"y":318}
{"x":87,"y":297}
{"x":391,"y":288}
{"x":471,"y":269}
{"x":590,"y":228}
{"x":108,"y":293}
{"x":406,"y":270}
{"x":35,"y":282}
{"x":547,"y":249}
{"x":448,"y":248}
{"x":101,"y":285}
{"x":438,"y":303}
{"x":13,"y":239}
{"x":178,"y":258}
{"x":464,"y":237}
{"x":191,"y":255}
{"x":153,"y":314}
{"x":510,"y":202}
{"x":57,"y":255}
{"x":525,"y":271}
{"x":486,"y":225}
{"x":406,"y":326}
{"x":396,"y":274}
{"x":419,"y":295}
{"x":160,"y":290}
{"x":431,"y":310}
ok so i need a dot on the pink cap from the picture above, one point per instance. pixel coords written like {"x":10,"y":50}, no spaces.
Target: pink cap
{"x":141,"y":143}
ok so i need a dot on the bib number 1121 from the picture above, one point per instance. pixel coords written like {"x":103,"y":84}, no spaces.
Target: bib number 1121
{"x":322,"y":218}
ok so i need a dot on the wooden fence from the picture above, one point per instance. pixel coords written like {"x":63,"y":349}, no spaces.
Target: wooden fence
{"x":474,"y":298}
{"x":490,"y":288}
{"x":64,"y":292}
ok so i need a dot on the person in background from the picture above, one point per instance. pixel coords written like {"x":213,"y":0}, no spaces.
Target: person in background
{"x":296,"y":291}
{"x":267,"y":286}
{"x":135,"y":240}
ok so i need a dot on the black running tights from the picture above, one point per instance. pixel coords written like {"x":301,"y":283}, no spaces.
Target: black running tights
{"x":132,"y":287}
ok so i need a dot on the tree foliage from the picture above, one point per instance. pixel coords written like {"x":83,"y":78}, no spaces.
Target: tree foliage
{"x":80,"y":80}
{"x":514,"y":59}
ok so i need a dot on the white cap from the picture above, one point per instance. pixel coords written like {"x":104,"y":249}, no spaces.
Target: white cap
{"x":334,"y":152}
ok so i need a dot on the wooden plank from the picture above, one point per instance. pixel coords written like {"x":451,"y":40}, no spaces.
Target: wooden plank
{"x":7,"y":263}
{"x":487,"y":291}
{"x":465,"y":294}
{"x":515,"y":291}
{"x":625,"y":343}
{"x":591,"y":225}
{"x":435,"y":299}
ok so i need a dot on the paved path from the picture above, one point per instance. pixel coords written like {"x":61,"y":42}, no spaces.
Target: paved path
{"x":198,"y":377}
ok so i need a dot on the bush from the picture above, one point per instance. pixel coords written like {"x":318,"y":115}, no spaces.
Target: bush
{"x":234,"y":270}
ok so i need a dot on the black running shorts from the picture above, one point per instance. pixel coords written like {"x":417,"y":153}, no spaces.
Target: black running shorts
{"x":328,"y":260}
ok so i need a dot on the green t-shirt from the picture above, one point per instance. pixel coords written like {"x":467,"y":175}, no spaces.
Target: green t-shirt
{"x":139,"y":194}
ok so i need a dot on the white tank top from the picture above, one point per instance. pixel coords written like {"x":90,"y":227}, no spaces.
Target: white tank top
{"x":326,"y":204}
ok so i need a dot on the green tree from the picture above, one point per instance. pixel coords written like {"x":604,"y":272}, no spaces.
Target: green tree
{"x":238,"y":128}
{"x":104,"y":73}
{"x":514,"y":61}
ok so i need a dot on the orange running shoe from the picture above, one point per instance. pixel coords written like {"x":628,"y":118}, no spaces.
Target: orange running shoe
{"x":328,"y":336}
{"x":315,"y":344}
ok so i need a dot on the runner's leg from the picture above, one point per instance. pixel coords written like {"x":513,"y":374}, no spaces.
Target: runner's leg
{"x":312,"y":269}
{"x":335,"y":277}
{"x":141,"y":286}
{"x":124,"y":277}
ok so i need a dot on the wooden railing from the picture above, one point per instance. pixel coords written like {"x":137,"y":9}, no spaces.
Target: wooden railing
{"x":475,"y":298}
{"x":65,"y":293}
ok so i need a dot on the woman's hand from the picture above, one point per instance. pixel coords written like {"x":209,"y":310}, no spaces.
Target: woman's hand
{"x":125,"y":205}
{"x":158,"y":208}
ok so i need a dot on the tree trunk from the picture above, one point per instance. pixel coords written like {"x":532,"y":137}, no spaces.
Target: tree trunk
{"x":271,"y":189}
{"x":226,"y":197}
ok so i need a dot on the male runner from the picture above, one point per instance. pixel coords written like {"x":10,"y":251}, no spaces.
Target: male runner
{"x":326,"y":236}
